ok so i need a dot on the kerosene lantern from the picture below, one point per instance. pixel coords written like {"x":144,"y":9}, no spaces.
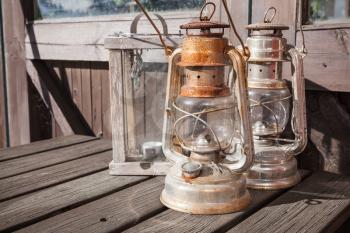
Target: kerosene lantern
{"x":207,"y":130}
{"x":275,"y":165}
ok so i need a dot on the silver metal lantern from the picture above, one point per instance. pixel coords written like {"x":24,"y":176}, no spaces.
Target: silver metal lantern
{"x":207,"y":130}
{"x":275,"y":165}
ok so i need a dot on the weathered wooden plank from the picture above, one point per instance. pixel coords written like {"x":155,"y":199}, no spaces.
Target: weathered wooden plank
{"x":66,"y":52}
{"x":335,"y":39}
{"x":31,"y":208}
{"x":49,"y":99}
{"x":141,"y":42}
{"x":17,"y":86}
{"x":44,"y":145}
{"x":49,"y":158}
{"x":117,"y":100}
{"x":328,"y":72}
{"x":312,"y":206}
{"x":57,"y":99}
{"x":106,"y":103}
{"x":96,"y":102}
{"x":3,"y":127}
{"x":86,"y":92}
{"x":138,"y":167}
{"x":173,"y":221}
{"x":112,"y":213}
{"x":76,"y":85}
{"x":327,"y":67}
{"x":94,"y":32}
{"x":53,"y":175}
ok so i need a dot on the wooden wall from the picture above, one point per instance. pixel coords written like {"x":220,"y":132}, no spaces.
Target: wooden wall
{"x":87,"y":84}
{"x":3,"y":138}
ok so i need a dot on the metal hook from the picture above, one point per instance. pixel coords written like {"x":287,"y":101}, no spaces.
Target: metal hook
{"x":269,"y":20}
{"x":206,"y":18}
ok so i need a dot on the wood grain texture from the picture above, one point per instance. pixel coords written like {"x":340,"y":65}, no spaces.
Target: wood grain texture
{"x":173,"y":221}
{"x":86,"y":95}
{"x":96,"y":99}
{"x":62,"y":100}
{"x":117,"y":103}
{"x":53,"y":175}
{"x":327,"y":67}
{"x":31,"y":208}
{"x":312,"y":206}
{"x":112,"y":213}
{"x":106,"y":104}
{"x":40,"y":160}
{"x":49,"y":99}
{"x":17,"y":86}
{"x":42,"y":146}
{"x":3,"y":127}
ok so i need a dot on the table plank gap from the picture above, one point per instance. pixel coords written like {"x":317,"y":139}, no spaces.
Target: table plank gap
{"x":173,"y":221}
{"x":46,"y":177}
{"x":45,"y":159}
{"x":112,"y":213}
{"x":311,"y":206}
{"x":31,"y":208}
{"x":42,"y":146}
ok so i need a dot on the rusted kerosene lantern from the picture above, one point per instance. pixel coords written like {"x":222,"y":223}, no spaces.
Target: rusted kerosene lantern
{"x":207,"y":130}
{"x":275,"y":166}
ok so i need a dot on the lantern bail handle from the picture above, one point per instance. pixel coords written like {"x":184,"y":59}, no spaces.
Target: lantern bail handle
{"x":168,"y":50}
{"x":206,"y":18}
{"x":270,"y":19}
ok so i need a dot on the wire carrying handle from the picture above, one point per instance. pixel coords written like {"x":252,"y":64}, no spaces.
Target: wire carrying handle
{"x":245,"y":49}
{"x":270,"y":19}
{"x":206,"y":18}
{"x":168,"y":49}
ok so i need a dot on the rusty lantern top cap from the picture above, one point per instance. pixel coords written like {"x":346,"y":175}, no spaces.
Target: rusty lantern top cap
{"x":205,"y":24}
{"x":206,"y":48}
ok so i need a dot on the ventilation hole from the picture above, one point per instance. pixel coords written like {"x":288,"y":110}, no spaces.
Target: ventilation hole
{"x":250,"y":69}
{"x":213,"y":76}
{"x":198,"y":76}
{"x":274,"y":71}
{"x":103,"y":220}
{"x":260,"y":70}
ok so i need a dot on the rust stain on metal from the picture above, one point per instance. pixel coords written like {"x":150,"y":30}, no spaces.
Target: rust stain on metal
{"x":203,"y":51}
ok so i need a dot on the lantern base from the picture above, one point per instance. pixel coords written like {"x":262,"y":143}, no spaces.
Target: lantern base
{"x":279,"y":174}
{"x":216,"y":190}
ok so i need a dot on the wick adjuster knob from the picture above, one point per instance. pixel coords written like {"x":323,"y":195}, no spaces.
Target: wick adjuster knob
{"x":191,"y":169}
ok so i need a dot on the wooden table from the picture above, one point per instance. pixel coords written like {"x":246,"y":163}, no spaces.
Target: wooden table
{"x":62,"y":185}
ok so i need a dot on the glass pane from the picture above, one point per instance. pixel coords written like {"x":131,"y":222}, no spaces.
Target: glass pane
{"x":81,"y":8}
{"x":321,"y":10}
